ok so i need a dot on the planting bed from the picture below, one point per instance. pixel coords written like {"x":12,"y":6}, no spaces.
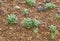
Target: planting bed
{"x":17,"y":32}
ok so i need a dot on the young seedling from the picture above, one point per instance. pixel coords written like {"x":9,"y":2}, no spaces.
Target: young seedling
{"x":25,"y":11}
{"x":12,"y":19}
{"x":50,"y":6}
{"x":36,"y":22}
{"x":28,"y":23}
{"x":35,"y":30}
{"x":58,"y":16}
{"x":31,"y":2}
{"x":53,"y":31}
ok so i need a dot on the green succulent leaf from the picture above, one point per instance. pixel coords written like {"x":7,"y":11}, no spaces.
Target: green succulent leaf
{"x":28,"y":23}
{"x":31,"y":2}
{"x":12,"y":19}
{"x":25,"y":11}
{"x":35,"y":30}
{"x":52,"y":28}
{"x":36,"y":22}
{"x":54,"y":31}
{"x":57,"y":16}
{"x":50,"y":6}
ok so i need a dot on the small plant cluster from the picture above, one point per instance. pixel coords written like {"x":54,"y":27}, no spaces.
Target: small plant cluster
{"x":46,"y":7}
{"x":50,"y":6}
{"x":25,"y":11}
{"x":35,"y":30}
{"x":12,"y":19}
{"x":31,"y":2}
{"x":29,"y":23}
{"x":53,"y":31}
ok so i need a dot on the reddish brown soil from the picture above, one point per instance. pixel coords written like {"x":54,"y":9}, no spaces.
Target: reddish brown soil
{"x":17,"y":32}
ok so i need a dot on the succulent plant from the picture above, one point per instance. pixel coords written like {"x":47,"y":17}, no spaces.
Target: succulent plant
{"x":58,"y":16}
{"x":50,"y":6}
{"x":25,"y":11}
{"x":53,"y":31}
{"x":12,"y":19}
{"x":28,"y":23}
{"x":52,"y":28}
{"x":36,"y":23}
{"x":31,"y":2}
{"x":35,"y":30}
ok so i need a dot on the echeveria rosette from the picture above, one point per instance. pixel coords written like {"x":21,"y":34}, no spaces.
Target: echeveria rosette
{"x":28,"y":23}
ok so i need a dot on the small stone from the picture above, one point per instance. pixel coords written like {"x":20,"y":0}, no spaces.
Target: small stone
{"x":40,"y":3}
{"x":43,"y":25}
{"x":47,"y":1}
{"x":0,"y":28}
{"x":41,"y":9}
{"x":1,"y":11}
{"x":57,"y":1}
{"x":47,"y":33}
{"x":42,"y":32}
{"x":11,"y":28}
{"x":23,"y":2}
{"x":17,"y":7}
{"x":58,"y":11}
{"x":10,"y":33}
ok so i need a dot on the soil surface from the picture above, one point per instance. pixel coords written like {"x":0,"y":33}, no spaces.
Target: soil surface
{"x":17,"y":32}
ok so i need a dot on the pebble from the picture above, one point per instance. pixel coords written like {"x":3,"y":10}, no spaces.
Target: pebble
{"x":11,"y":28}
{"x":39,"y":3}
{"x":47,"y":1}
{"x":0,"y":28}
{"x":1,"y":11}
{"x":58,"y":11}
{"x":43,"y":25}
{"x":23,"y":2}
{"x":41,"y":9}
{"x":47,"y":33}
{"x":17,"y":7}
{"x":57,"y":1}
{"x":42,"y":32}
